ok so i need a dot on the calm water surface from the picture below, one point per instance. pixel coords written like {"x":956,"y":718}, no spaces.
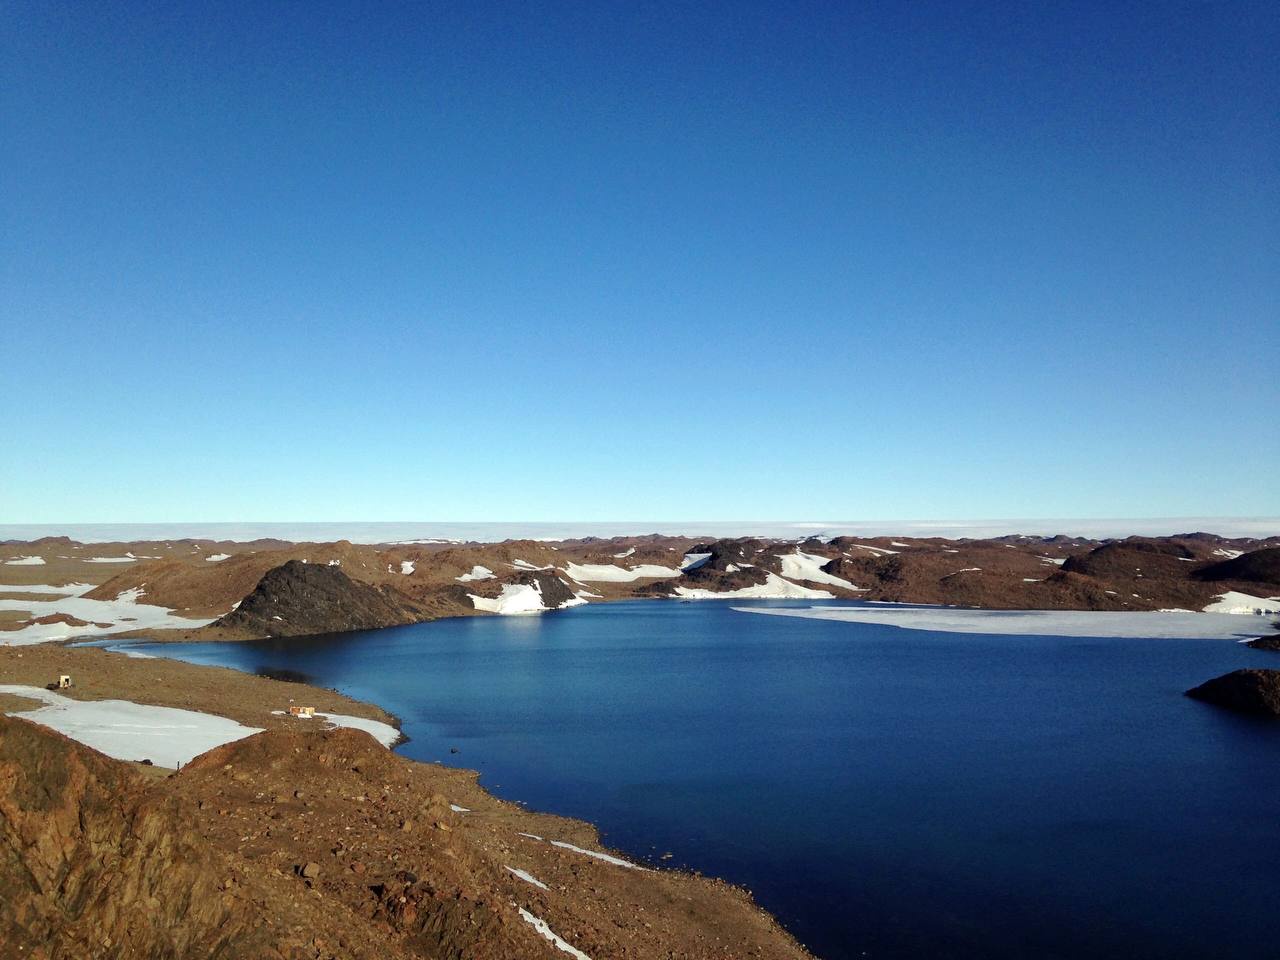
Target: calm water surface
{"x":886,"y":793}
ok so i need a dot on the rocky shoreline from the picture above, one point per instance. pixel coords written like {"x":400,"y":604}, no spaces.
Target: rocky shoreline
{"x":338,"y":846}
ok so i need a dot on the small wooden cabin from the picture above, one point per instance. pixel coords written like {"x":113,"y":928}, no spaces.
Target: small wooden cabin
{"x":64,"y":681}
{"x":302,"y":711}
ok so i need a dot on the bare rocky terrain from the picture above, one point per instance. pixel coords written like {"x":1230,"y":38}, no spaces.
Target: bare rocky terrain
{"x":269,"y":588}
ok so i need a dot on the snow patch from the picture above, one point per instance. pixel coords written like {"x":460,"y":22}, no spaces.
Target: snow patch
{"x":774,"y":588}
{"x":549,"y":934}
{"x":70,"y":590}
{"x":808,"y":566}
{"x":612,"y":573}
{"x":1234,"y":602}
{"x":477,"y":573}
{"x":121,"y":614}
{"x":217,"y":557}
{"x":526,"y":877}
{"x":166,"y":736}
{"x":26,"y":562}
{"x":515,"y":599}
{"x":406,"y":567}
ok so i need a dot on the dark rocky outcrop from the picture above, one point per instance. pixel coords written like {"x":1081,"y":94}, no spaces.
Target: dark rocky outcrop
{"x":554,"y":590}
{"x":1266,"y":643}
{"x":299,"y":599}
{"x":1258,"y":566}
{"x":1246,"y":691}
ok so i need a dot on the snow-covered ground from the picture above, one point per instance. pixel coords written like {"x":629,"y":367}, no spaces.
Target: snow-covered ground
{"x":131,"y":731}
{"x":1242,"y":603}
{"x":217,"y":557}
{"x":121,"y":614}
{"x":692,"y":561}
{"x":774,"y":588}
{"x":612,"y":573}
{"x":26,"y":562}
{"x":518,"y":598}
{"x":477,"y":573}
{"x":1046,"y":623}
{"x":66,"y":590}
{"x":406,"y":567}
{"x":807,"y":566}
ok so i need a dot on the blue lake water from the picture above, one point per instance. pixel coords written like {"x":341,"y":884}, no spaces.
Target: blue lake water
{"x":884,"y":792}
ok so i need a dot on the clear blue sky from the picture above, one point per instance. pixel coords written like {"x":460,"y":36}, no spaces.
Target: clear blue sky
{"x":600,"y":260}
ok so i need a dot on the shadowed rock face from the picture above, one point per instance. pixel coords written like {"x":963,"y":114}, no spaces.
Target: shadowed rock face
{"x":1266,"y":643}
{"x":1246,"y":691}
{"x":299,"y":599}
{"x":1258,"y":566}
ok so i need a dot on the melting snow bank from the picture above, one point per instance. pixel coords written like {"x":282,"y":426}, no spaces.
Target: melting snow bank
{"x":807,"y":566}
{"x":548,"y":933}
{"x":774,"y":588}
{"x":384,"y":733}
{"x":125,"y":730}
{"x":1235,"y":602}
{"x":519,"y":598}
{"x":612,"y":573}
{"x":99,"y":616}
{"x":1041,"y":623}
{"x":477,"y":573}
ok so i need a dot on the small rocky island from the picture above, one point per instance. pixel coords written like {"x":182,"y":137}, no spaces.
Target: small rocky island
{"x":1246,"y":691}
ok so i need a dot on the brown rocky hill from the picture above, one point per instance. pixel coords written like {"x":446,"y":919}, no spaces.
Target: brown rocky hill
{"x":1257,"y":566}
{"x":299,"y":599}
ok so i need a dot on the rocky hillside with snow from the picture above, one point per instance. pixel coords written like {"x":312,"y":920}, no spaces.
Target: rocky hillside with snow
{"x":201,"y":589}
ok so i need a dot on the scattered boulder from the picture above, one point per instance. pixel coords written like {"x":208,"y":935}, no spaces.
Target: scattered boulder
{"x":1246,"y":691}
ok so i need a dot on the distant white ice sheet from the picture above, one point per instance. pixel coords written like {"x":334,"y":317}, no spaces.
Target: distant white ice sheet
{"x":1044,"y":623}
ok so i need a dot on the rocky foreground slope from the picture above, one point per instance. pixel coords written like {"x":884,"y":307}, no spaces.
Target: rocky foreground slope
{"x":304,"y":843}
